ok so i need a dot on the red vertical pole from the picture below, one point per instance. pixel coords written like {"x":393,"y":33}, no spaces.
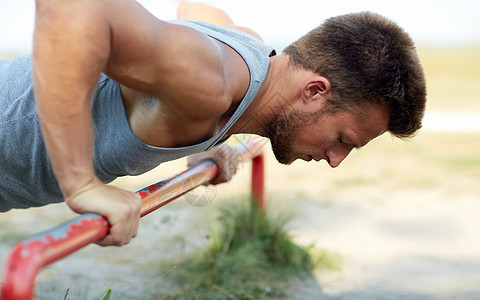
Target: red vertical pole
{"x":258,"y":185}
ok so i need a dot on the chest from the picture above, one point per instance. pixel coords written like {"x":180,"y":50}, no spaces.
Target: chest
{"x":159,"y":125}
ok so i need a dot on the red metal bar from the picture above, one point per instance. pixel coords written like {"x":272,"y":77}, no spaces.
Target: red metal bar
{"x":165,"y":191}
{"x":30,"y":255}
{"x":258,"y":181}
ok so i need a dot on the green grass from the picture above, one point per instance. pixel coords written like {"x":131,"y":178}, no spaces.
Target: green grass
{"x":104,"y":295}
{"x":251,"y":256}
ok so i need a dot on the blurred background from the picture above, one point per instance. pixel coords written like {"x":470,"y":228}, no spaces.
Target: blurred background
{"x":404,"y":215}
{"x":435,"y":23}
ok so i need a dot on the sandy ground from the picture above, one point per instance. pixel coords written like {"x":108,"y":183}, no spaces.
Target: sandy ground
{"x":396,"y":248}
{"x":396,"y":242}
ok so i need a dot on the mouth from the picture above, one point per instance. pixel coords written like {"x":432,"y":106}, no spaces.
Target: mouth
{"x":317,"y":159}
{"x":306,"y":158}
{"x":309,"y":158}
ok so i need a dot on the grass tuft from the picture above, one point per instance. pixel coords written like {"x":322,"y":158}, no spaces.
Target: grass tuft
{"x":250,"y":256}
{"x":260,"y":235}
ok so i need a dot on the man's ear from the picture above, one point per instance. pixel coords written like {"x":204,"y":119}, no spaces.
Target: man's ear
{"x":315,"y":88}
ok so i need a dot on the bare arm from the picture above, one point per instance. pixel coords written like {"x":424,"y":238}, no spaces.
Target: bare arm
{"x":74,"y":41}
{"x":72,"y":44}
{"x":65,"y":73}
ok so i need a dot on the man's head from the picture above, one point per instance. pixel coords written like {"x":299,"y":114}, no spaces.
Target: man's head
{"x":367,"y":59}
{"x":365,"y":71}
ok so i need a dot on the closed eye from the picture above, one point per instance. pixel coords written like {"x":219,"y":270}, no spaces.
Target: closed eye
{"x":340,"y":140}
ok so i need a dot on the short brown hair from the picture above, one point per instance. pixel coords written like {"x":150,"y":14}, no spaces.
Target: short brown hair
{"x":367,"y":58}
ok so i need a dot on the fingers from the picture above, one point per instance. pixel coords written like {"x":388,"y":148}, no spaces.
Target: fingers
{"x":227,"y":159}
{"x":120,"y":207}
{"x":124,"y":223}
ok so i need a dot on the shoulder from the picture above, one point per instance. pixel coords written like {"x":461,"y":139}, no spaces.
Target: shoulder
{"x":205,"y":75}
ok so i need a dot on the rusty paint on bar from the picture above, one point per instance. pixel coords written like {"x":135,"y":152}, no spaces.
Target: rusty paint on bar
{"x":30,"y":255}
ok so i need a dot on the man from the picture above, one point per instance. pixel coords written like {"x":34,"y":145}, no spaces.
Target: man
{"x":171,"y":89}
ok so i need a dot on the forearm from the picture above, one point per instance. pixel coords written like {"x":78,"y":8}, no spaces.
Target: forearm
{"x":68,"y":58}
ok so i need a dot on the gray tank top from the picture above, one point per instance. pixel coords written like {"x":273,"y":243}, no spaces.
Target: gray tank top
{"x":26,"y":176}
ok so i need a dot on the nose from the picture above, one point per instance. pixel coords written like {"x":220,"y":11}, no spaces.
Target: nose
{"x":337,"y":154}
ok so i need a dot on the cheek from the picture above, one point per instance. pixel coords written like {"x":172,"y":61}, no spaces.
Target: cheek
{"x":309,"y":140}
{"x":302,"y":137}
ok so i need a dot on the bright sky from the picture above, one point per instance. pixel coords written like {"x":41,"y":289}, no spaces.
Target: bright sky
{"x":432,"y":22}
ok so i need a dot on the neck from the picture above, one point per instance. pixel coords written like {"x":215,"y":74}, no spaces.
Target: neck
{"x":274,"y":95}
